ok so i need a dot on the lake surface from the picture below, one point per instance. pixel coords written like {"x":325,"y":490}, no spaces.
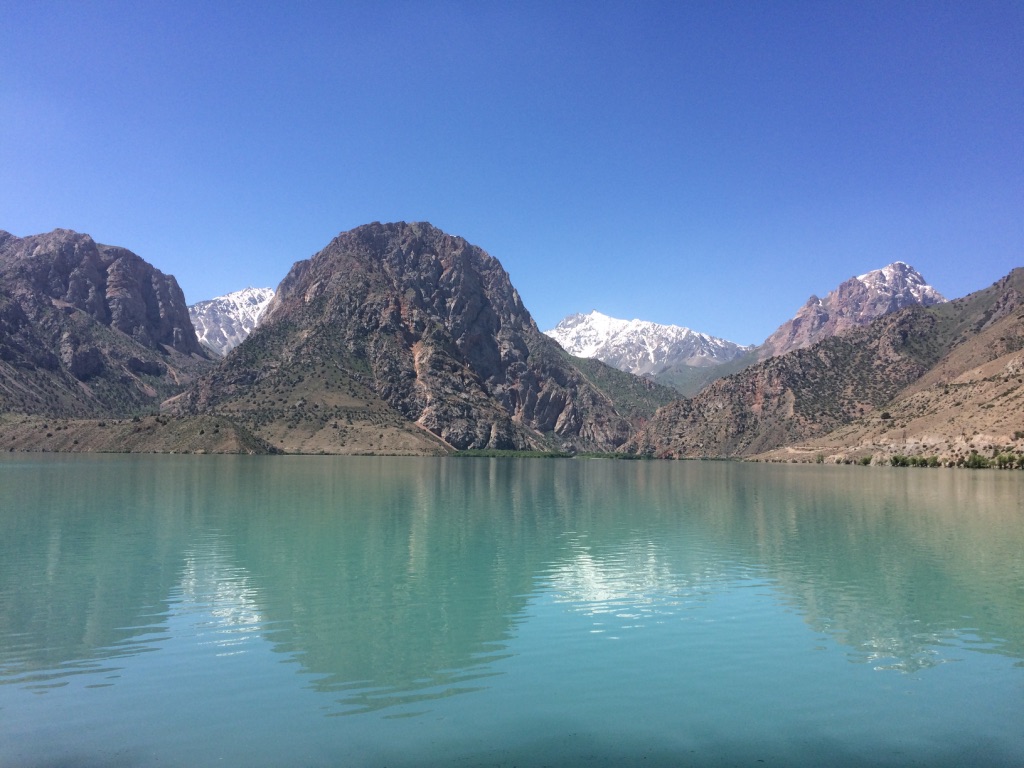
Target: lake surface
{"x":323,"y":611}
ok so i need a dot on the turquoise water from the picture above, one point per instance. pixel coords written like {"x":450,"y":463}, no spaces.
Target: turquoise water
{"x":268,"y":611}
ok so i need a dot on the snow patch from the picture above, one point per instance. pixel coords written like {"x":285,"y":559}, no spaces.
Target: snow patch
{"x":226,"y":321}
{"x":898,"y":279}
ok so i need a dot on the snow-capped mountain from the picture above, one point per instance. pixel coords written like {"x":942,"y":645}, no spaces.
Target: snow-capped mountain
{"x":224,"y":322}
{"x":639,"y":346}
{"x":854,"y":303}
{"x":903,"y":284}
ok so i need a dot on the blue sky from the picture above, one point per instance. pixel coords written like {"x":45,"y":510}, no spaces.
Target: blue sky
{"x":709,"y":164}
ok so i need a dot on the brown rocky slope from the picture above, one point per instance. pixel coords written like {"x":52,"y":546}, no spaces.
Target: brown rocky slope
{"x":894,"y":365}
{"x":972,"y":400}
{"x":855,"y":303}
{"x":153,"y":433}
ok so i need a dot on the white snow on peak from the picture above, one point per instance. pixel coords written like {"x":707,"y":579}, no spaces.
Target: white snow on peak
{"x":898,"y":279}
{"x":640,"y":346}
{"x":224,"y":322}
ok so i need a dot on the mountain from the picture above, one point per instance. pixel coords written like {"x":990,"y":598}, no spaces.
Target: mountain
{"x":224,"y":322}
{"x":641,"y":347}
{"x":689,"y":361}
{"x":855,"y":303}
{"x":923,"y":363}
{"x":972,"y":400}
{"x":400,"y":338}
{"x":89,"y":329}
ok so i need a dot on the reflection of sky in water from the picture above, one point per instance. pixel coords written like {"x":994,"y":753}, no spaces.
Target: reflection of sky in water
{"x":220,"y":596}
{"x":636,"y":586}
{"x":633,"y":584}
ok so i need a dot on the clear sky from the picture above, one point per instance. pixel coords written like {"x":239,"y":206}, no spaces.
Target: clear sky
{"x":708,"y":164}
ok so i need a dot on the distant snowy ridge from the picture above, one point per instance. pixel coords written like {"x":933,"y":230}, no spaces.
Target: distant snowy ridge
{"x":224,"y":322}
{"x":639,"y":346}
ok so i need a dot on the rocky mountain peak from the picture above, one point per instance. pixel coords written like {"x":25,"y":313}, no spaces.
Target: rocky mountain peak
{"x":924,"y":381}
{"x":432,"y":326}
{"x":88,"y":328}
{"x":904,"y":283}
{"x":854,"y":303}
{"x":443,"y":272}
{"x":112,"y":284}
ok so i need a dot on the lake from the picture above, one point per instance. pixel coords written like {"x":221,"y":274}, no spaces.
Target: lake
{"x":364,"y":611}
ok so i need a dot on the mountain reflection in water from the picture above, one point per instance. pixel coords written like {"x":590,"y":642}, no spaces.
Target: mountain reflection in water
{"x":393,"y":583}
{"x":349,"y":567}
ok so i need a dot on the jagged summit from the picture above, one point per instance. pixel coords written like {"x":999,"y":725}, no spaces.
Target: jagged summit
{"x":903,"y":283}
{"x":640,"y":347}
{"x":855,"y":303}
{"x":224,"y":322}
{"x":114,"y":286}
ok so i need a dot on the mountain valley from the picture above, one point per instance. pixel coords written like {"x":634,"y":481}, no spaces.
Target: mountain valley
{"x":402,"y":339}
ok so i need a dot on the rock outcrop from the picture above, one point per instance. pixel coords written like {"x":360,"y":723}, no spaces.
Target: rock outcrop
{"x":88,"y":329}
{"x":855,"y":303}
{"x":428,"y":325}
{"x":112,"y":285}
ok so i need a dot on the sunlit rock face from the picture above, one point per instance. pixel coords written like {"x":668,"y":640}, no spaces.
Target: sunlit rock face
{"x":936,"y":373}
{"x":112,"y":285}
{"x":89,"y":329}
{"x":855,"y":303}
{"x":432,"y":326}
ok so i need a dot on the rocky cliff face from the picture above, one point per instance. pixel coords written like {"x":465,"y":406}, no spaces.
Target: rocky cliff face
{"x":88,"y":328}
{"x":855,"y":303}
{"x":641,"y":347}
{"x":225,"y":322}
{"x":972,"y":400}
{"x":112,"y":285}
{"x":427,"y":324}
